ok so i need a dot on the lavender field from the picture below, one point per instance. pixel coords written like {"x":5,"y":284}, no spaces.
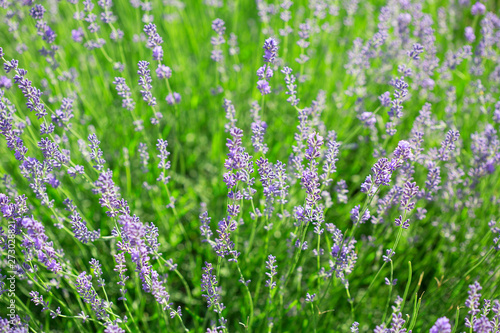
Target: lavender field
{"x":250,"y":166}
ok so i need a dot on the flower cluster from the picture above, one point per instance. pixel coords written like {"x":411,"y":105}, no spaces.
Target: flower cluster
{"x":266,"y":72}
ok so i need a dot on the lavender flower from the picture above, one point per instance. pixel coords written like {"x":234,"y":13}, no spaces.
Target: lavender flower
{"x":86,"y":291}
{"x":389,"y":253}
{"x":97,"y":272}
{"x":37,"y":12}
{"x":5,"y":82}
{"x":355,"y":218}
{"x":32,"y":95}
{"x":478,"y":9}
{"x":469,"y":34}
{"x":145,"y":82}
{"x":271,"y":260}
{"x":310,"y":298}
{"x":341,"y":189}
{"x":472,"y":303}
{"x":206,"y":232}
{"x":330,"y":160}
{"x":409,"y":192}
{"x":230,"y":115}
{"x":163,"y":165}
{"x":113,"y":328}
{"x":174,"y":98}
{"x":270,"y":49}
{"x":121,"y":268}
{"x":448,"y":145}
{"x":144,"y":156}
{"x":163,"y":72}
{"x":382,"y":170}
{"x":259,"y":128}
{"x":154,"y":41}
{"x":385,"y":99}
{"x":37,"y":299}
{"x":96,"y":152}
{"x":218,"y":40}
{"x":79,"y":227}
{"x":210,"y":289}
{"x":417,"y":49}
{"x":343,"y":254}
{"x":266,"y":72}
{"x":124,"y":92}
{"x":290,"y":86}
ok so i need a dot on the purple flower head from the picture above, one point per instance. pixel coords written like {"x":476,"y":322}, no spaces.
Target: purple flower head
{"x":314,"y":144}
{"x":342,"y":191}
{"x":259,"y":128}
{"x":163,"y":165}
{"x":78,"y":225}
{"x":49,"y":35}
{"x":121,"y":268}
{"x":145,"y":82}
{"x":478,"y":8}
{"x":163,"y":72}
{"x":469,"y":34}
{"x":96,"y":152}
{"x":368,"y":119}
{"x":367,"y":186}
{"x":484,"y":325}
{"x":97,"y":271}
{"x":113,"y":328}
{"x":37,"y":12}
{"x":409,"y":192}
{"x":448,"y":145}
{"x":290,"y":86}
{"x":355,"y":218}
{"x":84,"y":288}
{"x":116,"y":35}
{"x":496,"y":113}
{"x":206,"y":232}
{"x":12,"y":65}
{"x":400,"y":223}
{"x":263,"y":87}
{"x":174,"y":98}
{"x":270,"y":265}
{"x":382,"y":172}
{"x":385,"y":99}
{"x":265,"y":72}
{"x":158,"y":53}
{"x":270,"y":49}
{"x":37,"y":299}
{"x":417,"y":49}
{"x":211,"y":292}
{"x":154,"y":39}
{"x":389,"y":253}
{"x":124,"y":92}
{"x":428,"y":83}
{"x":472,"y":301}
{"x":5,"y":82}
{"x":230,"y":114}
{"x":218,"y":26}
{"x":310,"y":298}
{"x":403,"y":151}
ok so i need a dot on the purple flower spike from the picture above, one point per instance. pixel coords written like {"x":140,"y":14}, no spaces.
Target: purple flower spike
{"x":478,"y":9}
{"x":469,"y":34}
{"x":270,"y":49}
{"x":37,"y":12}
